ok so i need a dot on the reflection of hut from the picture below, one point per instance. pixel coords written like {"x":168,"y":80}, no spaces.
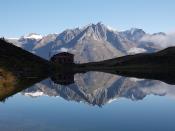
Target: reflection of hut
{"x":63,"y":58}
{"x":63,"y":79}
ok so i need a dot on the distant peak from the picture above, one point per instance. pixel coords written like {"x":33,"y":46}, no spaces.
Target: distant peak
{"x":94,"y":25}
{"x":100,"y":23}
{"x":97,"y":31}
{"x":160,"y":33}
{"x":133,"y":30}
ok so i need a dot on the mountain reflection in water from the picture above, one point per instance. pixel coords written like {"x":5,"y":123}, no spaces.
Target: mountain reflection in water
{"x":94,"y":88}
{"x":97,"y":88}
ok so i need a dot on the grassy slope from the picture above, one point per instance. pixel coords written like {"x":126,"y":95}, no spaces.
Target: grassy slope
{"x":20,"y":62}
{"x":164,"y":58}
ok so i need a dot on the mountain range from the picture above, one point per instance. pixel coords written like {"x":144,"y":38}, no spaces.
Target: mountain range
{"x":94,"y":42}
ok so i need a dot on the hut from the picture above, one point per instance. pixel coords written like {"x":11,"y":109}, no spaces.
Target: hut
{"x":63,"y":58}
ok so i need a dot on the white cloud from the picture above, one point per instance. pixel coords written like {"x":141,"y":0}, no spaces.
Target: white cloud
{"x":160,"y":89}
{"x":161,"y":40}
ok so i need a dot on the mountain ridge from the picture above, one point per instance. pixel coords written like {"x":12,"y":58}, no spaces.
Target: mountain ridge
{"x":94,"y":42}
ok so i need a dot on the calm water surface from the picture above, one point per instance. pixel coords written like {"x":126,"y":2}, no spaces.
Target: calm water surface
{"x":96,"y":101}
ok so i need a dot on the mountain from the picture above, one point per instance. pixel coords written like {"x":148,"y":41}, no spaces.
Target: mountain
{"x":94,"y":42}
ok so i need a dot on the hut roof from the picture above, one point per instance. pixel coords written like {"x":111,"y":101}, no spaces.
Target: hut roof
{"x":63,"y":53}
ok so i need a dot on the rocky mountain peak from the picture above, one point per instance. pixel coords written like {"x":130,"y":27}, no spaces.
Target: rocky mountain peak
{"x":96,"y":31}
{"x":134,"y":34}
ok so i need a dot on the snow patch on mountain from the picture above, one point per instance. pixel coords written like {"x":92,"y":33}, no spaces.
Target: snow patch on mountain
{"x":136,"y":50}
{"x":112,"y":100}
{"x":136,"y":79}
{"x":34,"y":94}
{"x":111,"y":28}
{"x":33,"y":36}
{"x":64,"y":49}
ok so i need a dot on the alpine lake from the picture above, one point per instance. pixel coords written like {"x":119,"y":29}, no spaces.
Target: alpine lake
{"x":92,"y":101}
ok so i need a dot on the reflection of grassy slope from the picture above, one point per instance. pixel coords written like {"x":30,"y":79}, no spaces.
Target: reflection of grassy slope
{"x":19,"y":69}
{"x":7,"y":79}
{"x":10,"y":85}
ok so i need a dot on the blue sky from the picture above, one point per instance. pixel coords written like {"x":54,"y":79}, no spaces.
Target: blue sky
{"x":20,"y":17}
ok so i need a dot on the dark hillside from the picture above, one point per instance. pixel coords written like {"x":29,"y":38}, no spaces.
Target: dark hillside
{"x":20,"y":62}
